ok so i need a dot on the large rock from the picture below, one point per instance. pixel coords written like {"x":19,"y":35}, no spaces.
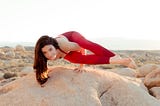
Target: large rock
{"x":10,"y":54}
{"x":153,"y":78}
{"x":155,"y":91}
{"x":68,"y":88}
{"x":124,"y":71}
{"x":1,"y":75}
{"x":19,"y":48}
{"x":25,"y":71}
{"x":146,"y":69}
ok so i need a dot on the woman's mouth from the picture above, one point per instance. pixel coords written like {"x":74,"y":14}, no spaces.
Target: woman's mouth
{"x":52,"y":57}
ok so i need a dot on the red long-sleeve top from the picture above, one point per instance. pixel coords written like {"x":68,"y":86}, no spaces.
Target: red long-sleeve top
{"x":100,"y":54}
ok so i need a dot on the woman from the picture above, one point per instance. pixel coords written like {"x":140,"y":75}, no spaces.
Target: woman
{"x":70,"y":46}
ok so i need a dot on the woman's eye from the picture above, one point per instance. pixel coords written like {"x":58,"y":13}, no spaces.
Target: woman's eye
{"x":50,"y":49}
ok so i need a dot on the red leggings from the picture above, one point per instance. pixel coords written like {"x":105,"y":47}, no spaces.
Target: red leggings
{"x":101,"y":55}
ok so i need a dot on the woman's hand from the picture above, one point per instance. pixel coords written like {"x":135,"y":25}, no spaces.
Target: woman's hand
{"x":79,"y":69}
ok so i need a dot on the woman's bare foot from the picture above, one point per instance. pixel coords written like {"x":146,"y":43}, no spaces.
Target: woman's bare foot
{"x":129,"y":62}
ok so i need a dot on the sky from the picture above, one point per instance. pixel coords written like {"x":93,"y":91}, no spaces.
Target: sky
{"x":27,"y":20}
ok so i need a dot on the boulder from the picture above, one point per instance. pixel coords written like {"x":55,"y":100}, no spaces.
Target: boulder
{"x":68,"y":88}
{"x":124,"y":71}
{"x":146,"y":69}
{"x":25,"y":71}
{"x":10,"y":54}
{"x":1,"y":75}
{"x":155,"y":91}
{"x":19,"y":48}
{"x":153,"y":78}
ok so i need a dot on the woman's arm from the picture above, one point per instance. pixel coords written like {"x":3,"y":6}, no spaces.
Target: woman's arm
{"x":80,"y":68}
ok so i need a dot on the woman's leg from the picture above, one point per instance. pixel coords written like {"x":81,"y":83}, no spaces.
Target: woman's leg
{"x":88,"y":45}
{"x":101,"y":55}
{"x":129,"y":62}
{"x":77,"y":57}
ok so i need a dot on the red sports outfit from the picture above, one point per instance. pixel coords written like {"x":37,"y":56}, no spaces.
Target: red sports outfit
{"x":101,"y":55}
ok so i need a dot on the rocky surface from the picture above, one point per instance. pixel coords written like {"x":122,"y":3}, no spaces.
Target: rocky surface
{"x":106,"y":85}
{"x":68,"y":88}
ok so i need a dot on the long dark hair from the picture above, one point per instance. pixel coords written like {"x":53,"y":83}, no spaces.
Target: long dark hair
{"x":40,"y":61}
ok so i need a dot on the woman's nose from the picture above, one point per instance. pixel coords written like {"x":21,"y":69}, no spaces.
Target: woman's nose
{"x":48,"y":55}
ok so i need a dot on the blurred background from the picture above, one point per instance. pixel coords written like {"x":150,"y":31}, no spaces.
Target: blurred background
{"x":115,"y":24}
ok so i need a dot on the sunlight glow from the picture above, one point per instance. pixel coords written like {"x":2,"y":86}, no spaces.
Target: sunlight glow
{"x":28,"y":20}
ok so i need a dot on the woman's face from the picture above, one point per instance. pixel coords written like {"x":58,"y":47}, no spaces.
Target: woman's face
{"x":49,"y":52}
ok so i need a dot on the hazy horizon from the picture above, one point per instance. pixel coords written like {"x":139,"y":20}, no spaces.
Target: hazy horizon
{"x":109,"y":43}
